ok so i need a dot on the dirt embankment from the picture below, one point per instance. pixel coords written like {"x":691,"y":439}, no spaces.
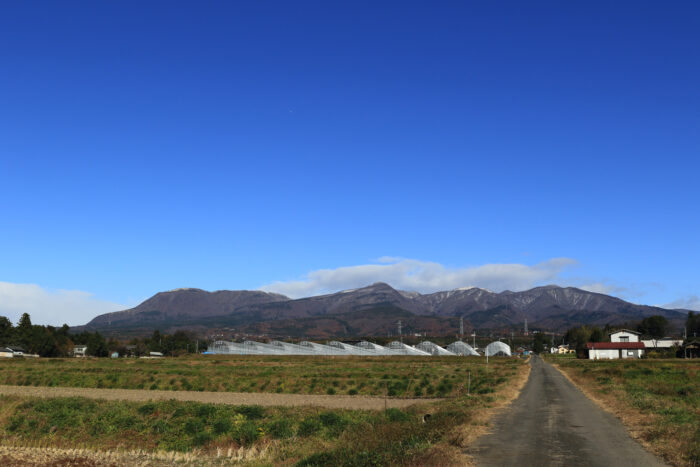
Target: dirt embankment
{"x":229,"y":398}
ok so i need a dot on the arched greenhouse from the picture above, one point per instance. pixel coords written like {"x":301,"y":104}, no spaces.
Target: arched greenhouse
{"x":433,"y":349}
{"x":462,"y":349}
{"x":498,"y":348}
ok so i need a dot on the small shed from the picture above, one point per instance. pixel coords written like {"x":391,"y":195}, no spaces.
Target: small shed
{"x":155,"y":354}
{"x":690,"y":349}
{"x":7,"y":353}
{"x":114,"y":355}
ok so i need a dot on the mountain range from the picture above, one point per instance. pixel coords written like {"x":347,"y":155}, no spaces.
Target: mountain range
{"x":373,"y":310}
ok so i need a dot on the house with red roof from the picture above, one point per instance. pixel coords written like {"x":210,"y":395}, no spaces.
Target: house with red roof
{"x":623,"y":344}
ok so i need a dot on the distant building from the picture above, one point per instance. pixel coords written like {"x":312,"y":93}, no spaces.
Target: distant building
{"x":80,"y":350}
{"x":7,"y":353}
{"x":561,"y":349}
{"x":614,"y":350}
{"x":155,"y":354}
{"x":690,"y":349}
{"x":114,"y":355}
{"x":17,"y":351}
{"x":664,"y":343}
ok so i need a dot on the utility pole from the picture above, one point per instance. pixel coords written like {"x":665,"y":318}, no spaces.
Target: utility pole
{"x":461,"y":328}
{"x":400,"y":335}
{"x":474,"y":339}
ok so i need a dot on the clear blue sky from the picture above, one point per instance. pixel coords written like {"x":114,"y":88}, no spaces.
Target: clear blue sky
{"x":146,"y":146}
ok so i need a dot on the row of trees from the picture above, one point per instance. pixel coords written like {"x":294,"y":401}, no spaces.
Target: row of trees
{"x":46,"y":341}
{"x":49,"y":341}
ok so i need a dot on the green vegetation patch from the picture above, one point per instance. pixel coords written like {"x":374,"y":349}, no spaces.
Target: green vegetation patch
{"x":394,"y":376}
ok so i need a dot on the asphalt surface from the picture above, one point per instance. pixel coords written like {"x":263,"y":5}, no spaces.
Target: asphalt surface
{"x":552,"y":423}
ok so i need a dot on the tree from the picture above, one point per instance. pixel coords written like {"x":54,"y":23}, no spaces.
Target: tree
{"x":597,"y":335}
{"x":155,"y":344}
{"x":577,"y":338}
{"x":97,"y":346}
{"x":24,"y":332}
{"x":6,"y":331}
{"x":692,"y":325}
{"x":655,"y":327}
{"x":540,"y":342}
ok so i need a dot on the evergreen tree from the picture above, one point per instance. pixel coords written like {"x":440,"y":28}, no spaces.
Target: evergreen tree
{"x":97,"y":346}
{"x":655,"y":327}
{"x":692,"y":325}
{"x":7,"y":333}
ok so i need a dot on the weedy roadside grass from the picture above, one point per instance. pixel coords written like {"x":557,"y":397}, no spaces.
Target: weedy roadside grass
{"x":398,"y":376}
{"x":278,"y":435}
{"x":658,"y":400}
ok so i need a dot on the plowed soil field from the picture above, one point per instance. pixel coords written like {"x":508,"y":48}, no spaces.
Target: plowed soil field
{"x":229,"y":398}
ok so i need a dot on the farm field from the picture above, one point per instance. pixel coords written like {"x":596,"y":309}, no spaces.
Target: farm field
{"x":658,"y":400}
{"x":257,"y":434}
{"x":398,"y":376}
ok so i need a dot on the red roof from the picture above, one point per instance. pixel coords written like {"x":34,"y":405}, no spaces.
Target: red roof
{"x":615,"y":345}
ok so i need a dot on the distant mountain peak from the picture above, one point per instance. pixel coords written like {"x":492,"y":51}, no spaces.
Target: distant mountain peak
{"x":375,"y":309}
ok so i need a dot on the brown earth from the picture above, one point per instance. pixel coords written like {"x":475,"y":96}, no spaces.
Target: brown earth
{"x":229,"y":398}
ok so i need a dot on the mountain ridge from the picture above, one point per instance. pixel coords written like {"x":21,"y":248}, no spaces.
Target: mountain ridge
{"x":549,"y":307}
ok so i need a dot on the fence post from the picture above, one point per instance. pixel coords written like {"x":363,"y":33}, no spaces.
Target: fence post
{"x":385,"y":394}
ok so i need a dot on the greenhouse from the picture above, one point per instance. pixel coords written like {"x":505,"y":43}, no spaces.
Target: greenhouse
{"x":362,"y":348}
{"x":433,"y":349}
{"x":497,"y":348}
{"x":320,"y":349}
{"x":462,"y":349}
{"x":403,"y":349}
{"x":352,"y":349}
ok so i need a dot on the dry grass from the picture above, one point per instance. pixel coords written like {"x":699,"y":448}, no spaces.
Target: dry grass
{"x":674,"y":441}
{"x":21,"y":456}
{"x":465,"y":435}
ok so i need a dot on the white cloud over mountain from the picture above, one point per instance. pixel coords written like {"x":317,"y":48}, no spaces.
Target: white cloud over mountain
{"x":691,"y":302}
{"x":423,"y":276}
{"x":54,"y":307}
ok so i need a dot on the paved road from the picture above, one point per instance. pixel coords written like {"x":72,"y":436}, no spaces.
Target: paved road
{"x":230,"y":398}
{"x":554,"y":424}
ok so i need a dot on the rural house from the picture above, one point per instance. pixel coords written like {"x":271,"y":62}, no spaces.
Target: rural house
{"x":5,"y":352}
{"x":624,"y":335}
{"x":613,"y":350}
{"x":79,"y":350}
{"x":623,"y":344}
